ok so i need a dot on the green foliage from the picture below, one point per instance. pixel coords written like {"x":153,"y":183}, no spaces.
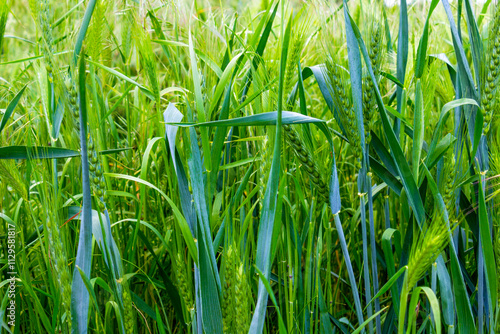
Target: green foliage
{"x":260,"y":167}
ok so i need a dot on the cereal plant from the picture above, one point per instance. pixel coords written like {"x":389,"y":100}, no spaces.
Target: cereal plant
{"x":249,"y":166}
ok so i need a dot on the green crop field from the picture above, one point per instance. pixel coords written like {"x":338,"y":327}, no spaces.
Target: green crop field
{"x":263,"y":166}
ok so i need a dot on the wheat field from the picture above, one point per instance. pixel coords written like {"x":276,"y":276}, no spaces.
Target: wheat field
{"x":263,"y":166}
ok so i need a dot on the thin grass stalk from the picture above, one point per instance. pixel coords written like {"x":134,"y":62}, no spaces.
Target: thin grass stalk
{"x":433,"y":286}
{"x":309,"y":273}
{"x":480,"y":287}
{"x":329,"y":268}
{"x":387,"y":210}
{"x":366,"y":270}
{"x":497,"y":252}
{"x":282,"y":272}
{"x":373,"y":247}
{"x":347,"y":257}
{"x":481,"y":277}
{"x":290,"y":306}
{"x":495,"y":166}
{"x":402,"y":59}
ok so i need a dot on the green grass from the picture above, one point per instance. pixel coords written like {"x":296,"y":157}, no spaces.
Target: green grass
{"x":260,"y":167}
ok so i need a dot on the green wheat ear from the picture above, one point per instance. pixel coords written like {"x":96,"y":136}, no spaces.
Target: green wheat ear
{"x":97,"y":181}
{"x":148,"y":57}
{"x":126,"y":36}
{"x":448,"y":185}
{"x":488,"y":95}
{"x":302,"y":153}
{"x":237,"y":295}
{"x":294,"y":54}
{"x":343,"y":103}
{"x":242,"y":300}
{"x":264,"y":165}
{"x":34,"y":9}
{"x":61,"y":267}
{"x":426,"y":248}
{"x":95,"y":37}
{"x":182,"y":279}
{"x":376,"y":55}
{"x":129,"y":316}
{"x":58,"y":259}
{"x":228,"y":302}
{"x":10,"y":172}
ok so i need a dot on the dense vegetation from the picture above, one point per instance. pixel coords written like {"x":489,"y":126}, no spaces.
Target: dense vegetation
{"x":260,"y":167}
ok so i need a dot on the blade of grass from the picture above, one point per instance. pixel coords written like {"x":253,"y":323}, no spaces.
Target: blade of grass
{"x":79,"y":295}
{"x":463,"y":66}
{"x":422,"y":44}
{"x":389,"y":260}
{"x":361,"y":327}
{"x":447,"y":297}
{"x":199,"y":106}
{"x":419,"y":129}
{"x":265,"y":282}
{"x":259,"y":51}
{"x":143,"y":89}
{"x":83,"y":29}
{"x":476,"y":43}
{"x":402,"y":59}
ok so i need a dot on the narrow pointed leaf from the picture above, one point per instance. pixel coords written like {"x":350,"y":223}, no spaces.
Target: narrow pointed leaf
{"x":10,"y":108}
